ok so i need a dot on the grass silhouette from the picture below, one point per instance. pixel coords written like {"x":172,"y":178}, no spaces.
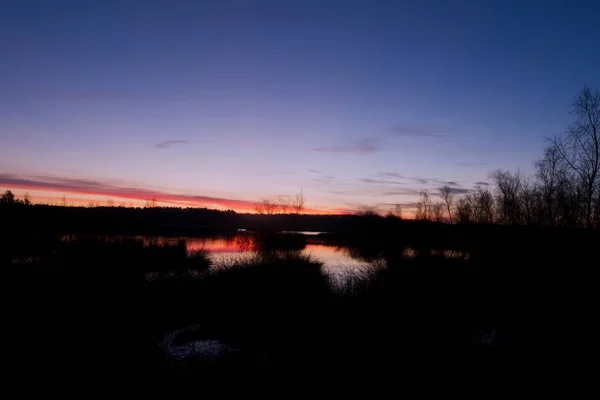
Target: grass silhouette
{"x":278,"y":310}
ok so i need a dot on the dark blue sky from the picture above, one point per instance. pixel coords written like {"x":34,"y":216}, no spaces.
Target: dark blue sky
{"x":382,"y":98}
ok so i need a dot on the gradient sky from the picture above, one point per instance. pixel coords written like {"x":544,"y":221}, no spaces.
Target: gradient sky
{"x":219,"y":103}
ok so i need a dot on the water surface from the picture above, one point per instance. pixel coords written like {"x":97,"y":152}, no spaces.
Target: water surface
{"x":223,"y":248}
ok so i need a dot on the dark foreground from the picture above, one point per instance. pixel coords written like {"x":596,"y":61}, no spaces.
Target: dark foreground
{"x":117,"y":312}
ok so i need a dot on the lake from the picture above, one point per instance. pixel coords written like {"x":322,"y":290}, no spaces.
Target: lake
{"x":223,"y":248}
{"x":337,"y":260}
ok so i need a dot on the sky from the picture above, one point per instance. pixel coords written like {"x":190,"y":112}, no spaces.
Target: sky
{"x":358,"y":104}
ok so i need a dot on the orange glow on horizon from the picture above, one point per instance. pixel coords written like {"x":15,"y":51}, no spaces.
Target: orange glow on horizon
{"x":86,"y":198}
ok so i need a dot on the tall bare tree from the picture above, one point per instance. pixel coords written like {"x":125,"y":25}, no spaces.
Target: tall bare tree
{"x":266,"y":206}
{"x":482,"y":203}
{"x":437,"y":211}
{"x":448,"y":198}
{"x":423,"y":211}
{"x":464,"y":211}
{"x":527,"y":197}
{"x":284,"y":203}
{"x":550,"y":172}
{"x":297,"y":203}
{"x":580,"y":148}
{"x":508,"y":187}
{"x":397,"y":211}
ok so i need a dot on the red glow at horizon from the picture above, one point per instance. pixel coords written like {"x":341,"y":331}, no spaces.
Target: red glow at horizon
{"x":41,"y":195}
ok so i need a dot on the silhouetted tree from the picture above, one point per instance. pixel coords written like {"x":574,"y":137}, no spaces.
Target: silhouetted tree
{"x":529,"y":202}
{"x":437,"y":211}
{"x":297,"y":203}
{"x":397,"y":211}
{"x":284,"y":203}
{"x":508,"y":187}
{"x":151,"y":203}
{"x":448,"y":198}
{"x":464,"y":210}
{"x":551,"y":175}
{"x":423,"y":211}
{"x":8,"y":198}
{"x":484,"y":206}
{"x":580,"y":149}
{"x":266,"y":206}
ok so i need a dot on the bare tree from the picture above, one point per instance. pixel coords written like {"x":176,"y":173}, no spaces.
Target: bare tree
{"x":508,"y":186}
{"x":110,"y":203}
{"x":567,"y":189}
{"x":27,"y":199}
{"x":423,"y":211}
{"x":151,"y":203}
{"x":437,"y":211}
{"x":266,"y":206}
{"x":464,"y":211}
{"x":477,"y":206}
{"x":397,"y":211}
{"x":297,"y":203}
{"x":551,"y":175}
{"x":485,"y":206}
{"x":528,"y":198}
{"x":448,"y":198}
{"x":580,"y":148}
{"x":284,"y":203}
{"x":63,"y":200}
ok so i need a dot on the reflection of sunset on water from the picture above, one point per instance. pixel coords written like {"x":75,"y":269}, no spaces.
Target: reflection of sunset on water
{"x":214,"y":245}
{"x":224,"y":248}
{"x":332,"y":256}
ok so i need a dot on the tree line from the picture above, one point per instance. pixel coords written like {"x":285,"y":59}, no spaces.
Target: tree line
{"x":281,"y":205}
{"x":565,"y":190}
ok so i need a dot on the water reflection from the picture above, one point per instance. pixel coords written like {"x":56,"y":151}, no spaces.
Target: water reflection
{"x":335,"y":257}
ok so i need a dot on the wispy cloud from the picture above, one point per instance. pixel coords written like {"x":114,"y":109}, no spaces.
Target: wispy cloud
{"x":314,"y":171}
{"x":364,"y":146}
{"x":427,"y":181}
{"x":99,"y":188}
{"x":379,"y":181}
{"x":170,"y":143}
{"x":456,"y":190}
{"x":389,"y":175}
{"x":322,"y":178}
{"x":414,"y":130}
{"x":405,"y":205}
{"x":399,"y":179}
{"x":472,"y":164}
{"x":482,"y":183}
{"x":422,"y":181}
{"x":402,"y":192}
